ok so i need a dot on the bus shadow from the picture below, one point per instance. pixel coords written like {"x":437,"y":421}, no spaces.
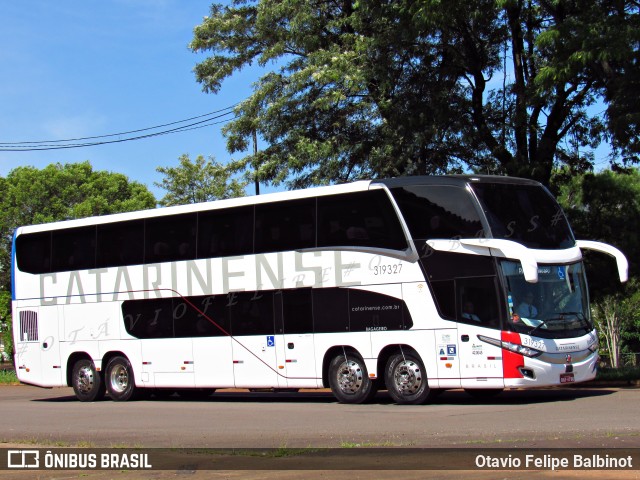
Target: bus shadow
{"x":521,"y":397}
{"x":449,"y":397}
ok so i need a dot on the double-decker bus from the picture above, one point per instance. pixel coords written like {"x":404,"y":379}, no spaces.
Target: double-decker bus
{"x":414,"y":285}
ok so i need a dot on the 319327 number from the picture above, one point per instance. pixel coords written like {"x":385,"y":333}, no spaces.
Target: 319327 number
{"x":390,"y":269}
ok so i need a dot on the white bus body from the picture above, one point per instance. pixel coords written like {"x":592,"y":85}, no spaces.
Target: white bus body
{"x":354,"y":287}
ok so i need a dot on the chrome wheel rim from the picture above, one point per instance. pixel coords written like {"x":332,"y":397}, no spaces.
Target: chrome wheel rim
{"x":407,"y":377}
{"x":119,"y":378}
{"x":84,"y":379}
{"x":350,"y":377}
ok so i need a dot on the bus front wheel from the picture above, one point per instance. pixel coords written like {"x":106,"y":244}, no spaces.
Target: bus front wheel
{"x":349,"y":380}
{"x":86,"y":381}
{"x":406,"y":379}
{"x":119,"y":378}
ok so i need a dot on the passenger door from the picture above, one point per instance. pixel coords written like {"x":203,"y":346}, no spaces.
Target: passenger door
{"x":297,"y":353}
{"x":478,"y":315}
{"x":254,"y":340}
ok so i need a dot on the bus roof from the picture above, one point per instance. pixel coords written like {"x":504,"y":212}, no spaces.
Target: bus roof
{"x":361,"y":185}
{"x":456,"y":180}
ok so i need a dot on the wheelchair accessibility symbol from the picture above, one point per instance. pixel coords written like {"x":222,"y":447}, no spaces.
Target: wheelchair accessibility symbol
{"x":271,"y":341}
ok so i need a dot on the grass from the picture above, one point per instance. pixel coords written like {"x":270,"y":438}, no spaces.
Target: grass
{"x":8,"y":377}
{"x":40,"y":442}
{"x":367,"y":444}
{"x":619,"y":374}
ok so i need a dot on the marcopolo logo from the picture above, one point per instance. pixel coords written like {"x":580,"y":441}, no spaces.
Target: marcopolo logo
{"x":23,"y":459}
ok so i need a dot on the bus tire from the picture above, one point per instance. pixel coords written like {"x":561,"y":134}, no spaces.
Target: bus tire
{"x":349,"y":380}
{"x":119,"y":378}
{"x":86,"y":381}
{"x":406,"y":380}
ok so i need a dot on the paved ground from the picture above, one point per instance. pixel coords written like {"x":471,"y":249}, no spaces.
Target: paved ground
{"x":561,"y":418}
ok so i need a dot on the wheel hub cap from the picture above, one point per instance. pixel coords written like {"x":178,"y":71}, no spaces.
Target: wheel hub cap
{"x":84,"y":381}
{"x":408,"y":377}
{"x":350,"y":377}
{"x":119,"y":379}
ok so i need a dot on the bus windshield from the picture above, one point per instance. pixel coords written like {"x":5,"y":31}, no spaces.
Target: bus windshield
{"x":526,"y":214}
{"x":555,"y":307}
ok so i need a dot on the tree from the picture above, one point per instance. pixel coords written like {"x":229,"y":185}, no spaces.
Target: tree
{"x":610,"y":322}
{"x":616,"y":318}
{"x":605,"y":207}
{"x":377,"y":88}
{"x":202,"y":181}
{"x":6,"y":334}
{"x":61,"y":192}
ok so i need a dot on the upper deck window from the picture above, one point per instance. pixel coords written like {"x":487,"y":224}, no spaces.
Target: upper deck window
{"x":526,"y":214}
{"x":360,"y":219}
{"x":437,"y":212}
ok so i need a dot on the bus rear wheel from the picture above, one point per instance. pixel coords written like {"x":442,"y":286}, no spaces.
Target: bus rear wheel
{"x":119,"y":379}
{"x":349,"y":380}
{"x":406,"y":380}
{"x":87,"y":382}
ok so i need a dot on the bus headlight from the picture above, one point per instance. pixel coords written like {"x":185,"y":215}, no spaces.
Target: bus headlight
{"x":512,"y":347}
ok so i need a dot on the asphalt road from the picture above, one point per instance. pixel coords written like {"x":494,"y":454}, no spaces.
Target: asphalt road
{"x":562,"y":417}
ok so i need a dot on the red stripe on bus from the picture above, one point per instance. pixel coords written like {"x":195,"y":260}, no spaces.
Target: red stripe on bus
{"x":510,"y":360}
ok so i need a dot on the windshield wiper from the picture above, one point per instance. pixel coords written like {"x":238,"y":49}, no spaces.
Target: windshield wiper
{"x":580,"y":315}
{"x":541,"y":324}
{"x":560,"y":316}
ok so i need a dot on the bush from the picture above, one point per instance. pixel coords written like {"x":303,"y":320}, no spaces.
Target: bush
{"x":620,"y":374}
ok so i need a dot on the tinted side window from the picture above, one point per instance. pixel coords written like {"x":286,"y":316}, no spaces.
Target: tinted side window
{"x":33,"y":252}
{"x":251,"y":313}
{"x":203,"y":316}
{"x":477,"y":301}
{"x":464,"y":287}
{"x":370,"y":311}
{"x":286,"y":226}
{"x":171,"y":238}
{"x":438,"y":212}
{"x":224,"y":233}
{"x":362,"y":219}
{"x":448,"y":265}
{"x":331,"y":310}
{"x":297,"y":311}
{"x":212,"y":320}
{"x":73,"y":249}
{"x":148,"y":318}
{"x":444,"y":293}
{"x":120,"y":244}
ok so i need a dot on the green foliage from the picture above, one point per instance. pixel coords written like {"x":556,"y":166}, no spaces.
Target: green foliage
{"x":627,"y":373}
{"x":376,"y":88}
{"x":8,"y":377}
{"x":61,"y":192}
{"x":603,"y":207}
{"x":616,"y":318}
{"x":202,"y":181}
{"x":6,"y":333}
{"x":606,"y":207}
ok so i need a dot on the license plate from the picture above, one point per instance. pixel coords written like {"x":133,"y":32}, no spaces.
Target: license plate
{"x":566,"y":378}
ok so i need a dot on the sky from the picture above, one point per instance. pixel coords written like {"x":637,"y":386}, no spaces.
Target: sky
{"x":71,"y":69}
